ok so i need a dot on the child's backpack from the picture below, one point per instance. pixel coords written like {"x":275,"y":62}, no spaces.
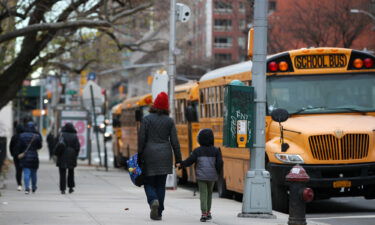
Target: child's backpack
{"x":135,"y":170}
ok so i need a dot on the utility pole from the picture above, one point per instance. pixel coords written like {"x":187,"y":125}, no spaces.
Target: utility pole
{"x":257,"y":193}
{"x":171,"y":56}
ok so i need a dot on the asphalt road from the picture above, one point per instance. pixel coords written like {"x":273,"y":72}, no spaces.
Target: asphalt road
{"x":342,"y":211}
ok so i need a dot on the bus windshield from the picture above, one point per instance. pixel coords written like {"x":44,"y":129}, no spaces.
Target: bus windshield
{"x":326,"y":93}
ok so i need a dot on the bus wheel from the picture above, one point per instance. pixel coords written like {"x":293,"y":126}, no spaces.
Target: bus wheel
{"x":280,"y":197}
{"x":222,"y":188}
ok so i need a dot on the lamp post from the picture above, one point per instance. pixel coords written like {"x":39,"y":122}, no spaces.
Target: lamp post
{"x":363,"y":12}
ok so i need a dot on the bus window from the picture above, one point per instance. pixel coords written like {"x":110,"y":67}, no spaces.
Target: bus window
{"x":322,"y":93}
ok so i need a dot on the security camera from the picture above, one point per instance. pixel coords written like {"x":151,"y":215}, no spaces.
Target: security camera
{"x":183,"y":12}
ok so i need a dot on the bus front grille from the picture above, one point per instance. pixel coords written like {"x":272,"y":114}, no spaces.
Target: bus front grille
{"x":329,"y":147}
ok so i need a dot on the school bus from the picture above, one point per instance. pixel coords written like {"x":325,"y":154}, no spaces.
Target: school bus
{"x":116,"y":140}
{"x":330,"y":96}
{"x":132,"y":110}
{"x":186,"y":120}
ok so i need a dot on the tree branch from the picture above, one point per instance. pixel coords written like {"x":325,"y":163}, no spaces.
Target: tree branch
{"x":52,"y":26}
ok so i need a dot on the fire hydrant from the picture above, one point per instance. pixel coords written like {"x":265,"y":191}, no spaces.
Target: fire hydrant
{"x":299,"y":194}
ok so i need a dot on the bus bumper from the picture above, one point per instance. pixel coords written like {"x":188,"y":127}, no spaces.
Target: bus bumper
{"x":361,"y":177}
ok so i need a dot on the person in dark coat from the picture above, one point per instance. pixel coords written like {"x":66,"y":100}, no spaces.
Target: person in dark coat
{"x":157,"y":138}
{"x":67,"y":150}
{"x":208,"y":165}
{"x":29,"y":143}
{"x":14,"y":153}
{"x":51,"y":144}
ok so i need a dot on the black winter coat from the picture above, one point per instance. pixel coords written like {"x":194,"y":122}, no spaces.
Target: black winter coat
{"x":14,"y":141}
{"x":67,"y":154}
{"x":31,"y":135}
{"x":207,"y":158}
{"x":157,"y":138}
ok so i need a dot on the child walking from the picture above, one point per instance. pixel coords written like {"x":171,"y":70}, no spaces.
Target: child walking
{"x":208,"y":165}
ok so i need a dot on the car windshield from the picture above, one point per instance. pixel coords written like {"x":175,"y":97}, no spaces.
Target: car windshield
{"x":322,"y":93}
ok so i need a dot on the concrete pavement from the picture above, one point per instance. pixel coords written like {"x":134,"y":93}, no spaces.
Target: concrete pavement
{"x":109,"y":198}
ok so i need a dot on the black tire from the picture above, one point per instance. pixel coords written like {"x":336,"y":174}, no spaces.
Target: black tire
{"x":280,"y":197}
{"x":222,"y":188}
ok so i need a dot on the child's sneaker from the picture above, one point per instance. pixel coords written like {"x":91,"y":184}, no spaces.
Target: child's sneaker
{"x":27,"y":191}
{"x":209,"y":217}
{"x":204,"y":217}
{"x":19,"y":188}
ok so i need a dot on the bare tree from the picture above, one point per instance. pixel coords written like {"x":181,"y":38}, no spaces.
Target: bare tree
{"x":306,"y":23}
{"x":46,"y":29}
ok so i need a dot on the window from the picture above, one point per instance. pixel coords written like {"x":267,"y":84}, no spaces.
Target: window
{"x":180,"y":111}
{"x":271,"y":6}
{"x":242,"y":24}
{"x":222,"y":7}
{"x":212,"y":100}
{"x":223,"y":42}
{"x":223,"y":57}
{"x":241,"y":42}
{"x":241,"y":7}
{"x":223,"y":24}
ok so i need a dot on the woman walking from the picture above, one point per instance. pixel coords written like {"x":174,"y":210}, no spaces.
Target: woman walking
{"x":29,"y":143}
{"x":67,"y":150}
{"x":157,"y":138}
{"x":14,"y":153}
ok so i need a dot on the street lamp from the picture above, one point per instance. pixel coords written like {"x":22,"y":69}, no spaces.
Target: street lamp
{"x":362,"y":11}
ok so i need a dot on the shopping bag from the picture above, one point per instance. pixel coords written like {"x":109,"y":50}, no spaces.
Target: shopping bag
{"x":171,"y":182}
{"x":135,"y":171}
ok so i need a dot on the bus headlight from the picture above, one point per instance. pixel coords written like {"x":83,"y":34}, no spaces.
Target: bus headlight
{"x":289,"y":158}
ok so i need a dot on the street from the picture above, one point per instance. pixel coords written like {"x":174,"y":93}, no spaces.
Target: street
{"x":342,"y":211}
{"x":102,"y":197}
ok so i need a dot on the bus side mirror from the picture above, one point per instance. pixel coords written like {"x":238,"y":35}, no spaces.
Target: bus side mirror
{"x":279,"y":115}
{"x":138,"y":115}
{"x":191,"y":114}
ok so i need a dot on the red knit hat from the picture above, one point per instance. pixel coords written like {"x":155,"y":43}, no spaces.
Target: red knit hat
{"x":161,"y":101}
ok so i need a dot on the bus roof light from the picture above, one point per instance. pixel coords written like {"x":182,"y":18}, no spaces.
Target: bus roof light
{"x":272,"y":66}
{"x":283,"y":66}
{"x":358,"y":63}
{"x":368,"y":62}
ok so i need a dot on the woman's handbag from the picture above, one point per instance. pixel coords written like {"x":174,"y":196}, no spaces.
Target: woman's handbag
{"x":22,"y":155}
{"x":135,"y":171}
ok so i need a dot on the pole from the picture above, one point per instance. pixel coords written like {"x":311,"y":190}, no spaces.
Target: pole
{"x":257,"y":195}
{"x":41,"y":106}
{"x":172,"y":57}
{"x":105,"y":129}
{"x":95,"y":125}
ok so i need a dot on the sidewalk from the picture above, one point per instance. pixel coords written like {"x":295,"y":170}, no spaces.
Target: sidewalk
{"x":108,"y":198}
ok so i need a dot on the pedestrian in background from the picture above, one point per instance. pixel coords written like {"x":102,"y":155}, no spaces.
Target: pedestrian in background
{"x":50,"y":143}
{"x":14,"y":153}
{"x":67,"y":150}
{"x":208,"y":165}
{"x":29,"y":143}
{"x":157,"y":138}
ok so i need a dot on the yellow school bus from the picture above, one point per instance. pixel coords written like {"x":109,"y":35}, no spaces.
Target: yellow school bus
{"x":133,"y":109}
{"x":186,"y":120}
{"x":116,"y":136}
{"x":330,"y":96}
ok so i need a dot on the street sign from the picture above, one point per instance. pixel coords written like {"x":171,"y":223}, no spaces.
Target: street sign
{"x":97,"y":96}
{"x":91,"y":76}
{"x":159,"y":83}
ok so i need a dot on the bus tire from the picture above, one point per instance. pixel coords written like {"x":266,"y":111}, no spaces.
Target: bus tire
{"x":222,"y":188}
{"x":280,"y":197}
